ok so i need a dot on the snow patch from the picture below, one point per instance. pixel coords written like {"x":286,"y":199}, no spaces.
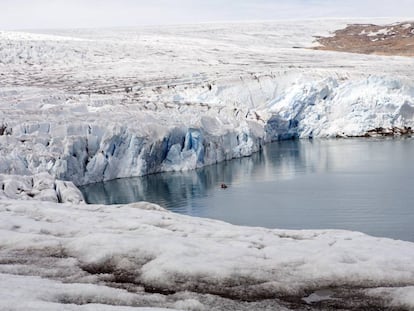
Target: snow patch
{"x":383,"y":32}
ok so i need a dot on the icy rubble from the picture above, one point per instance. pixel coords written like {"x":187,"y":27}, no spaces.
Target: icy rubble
{"x":147,"y":250}
{"x":42,"y":187}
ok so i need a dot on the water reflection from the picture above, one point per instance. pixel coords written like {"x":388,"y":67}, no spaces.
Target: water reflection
{"x":363,"y":185}
{"x":174,"y":190}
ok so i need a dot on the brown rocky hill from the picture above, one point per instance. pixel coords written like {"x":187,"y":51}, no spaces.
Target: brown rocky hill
{"x":393,"y":39}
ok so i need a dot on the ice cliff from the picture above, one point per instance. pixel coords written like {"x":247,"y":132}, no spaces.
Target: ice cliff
{"x":91,"y":139}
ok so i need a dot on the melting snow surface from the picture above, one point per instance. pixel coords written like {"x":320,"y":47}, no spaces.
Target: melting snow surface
{"x":157,"y":251}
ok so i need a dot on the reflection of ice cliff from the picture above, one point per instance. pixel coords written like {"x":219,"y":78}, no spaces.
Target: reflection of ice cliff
{"x":180,"y":187}
{"x":277,"y":162}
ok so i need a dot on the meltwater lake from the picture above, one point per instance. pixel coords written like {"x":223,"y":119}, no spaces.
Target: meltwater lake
{"x":364,"y":185}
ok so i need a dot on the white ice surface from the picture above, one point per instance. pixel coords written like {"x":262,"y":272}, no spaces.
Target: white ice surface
{"x":402,"y":297}
{"x":145,"y":245}
{"x":34,"y":293}
{"x":93,"y":105}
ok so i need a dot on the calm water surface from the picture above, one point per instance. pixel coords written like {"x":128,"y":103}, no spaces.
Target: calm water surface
{"x":360,"y":184}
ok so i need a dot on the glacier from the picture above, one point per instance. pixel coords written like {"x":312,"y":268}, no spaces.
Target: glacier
{"x":85,"y":147}
{"x":89,"y":106}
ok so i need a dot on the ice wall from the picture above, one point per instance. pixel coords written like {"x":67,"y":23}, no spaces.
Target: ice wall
{"x":87,"y":140}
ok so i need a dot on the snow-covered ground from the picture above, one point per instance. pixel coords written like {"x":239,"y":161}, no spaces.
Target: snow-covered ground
{"x":142,"y":255}
{"x":92,"y":105}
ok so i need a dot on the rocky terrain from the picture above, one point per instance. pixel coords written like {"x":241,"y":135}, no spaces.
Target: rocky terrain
{"x":391,"y":39}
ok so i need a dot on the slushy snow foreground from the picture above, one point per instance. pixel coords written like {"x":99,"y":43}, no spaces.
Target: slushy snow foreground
{"x":143,"y":255}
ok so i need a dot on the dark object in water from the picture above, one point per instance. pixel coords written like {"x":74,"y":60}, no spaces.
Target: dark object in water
{"x":224,"y":186}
